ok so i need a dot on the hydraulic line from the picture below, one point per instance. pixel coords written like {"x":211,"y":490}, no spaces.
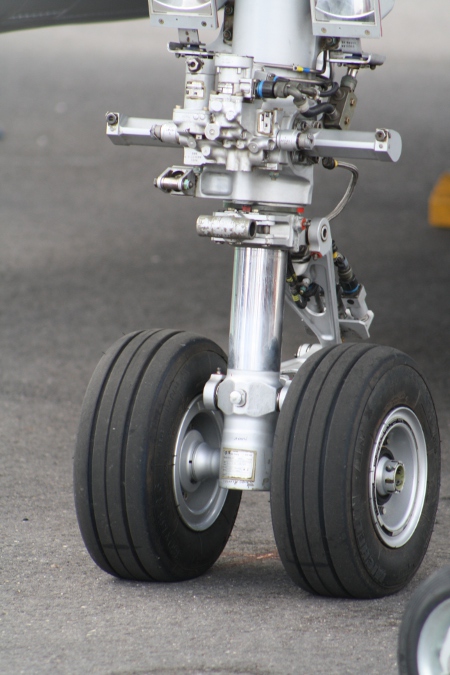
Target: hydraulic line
{"x":300,"y":293}
{"x":331,"y":163}
{"x":294,"y":285}
{"x":347,"y":280}
{"x":319,"y":109}
{"x":281,"y":87}
{"x":329,"y":92}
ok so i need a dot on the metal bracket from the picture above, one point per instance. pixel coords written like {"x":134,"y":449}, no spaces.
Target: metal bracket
{"x":359,"y":317}
{"x":210,"y":390}
{"x":188,"y":37}
{"x":283,"y":231}
{"x":250,"y":396}
{"x":177,"y":180}
{"x":358,"y":328}
{"x":355,"y":61}
{"x":324,"y":324}
{"x":289,"y":368}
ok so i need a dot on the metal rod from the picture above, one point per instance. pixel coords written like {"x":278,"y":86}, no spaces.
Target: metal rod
{"x":257,"y":309}
{"x":248,"y":395}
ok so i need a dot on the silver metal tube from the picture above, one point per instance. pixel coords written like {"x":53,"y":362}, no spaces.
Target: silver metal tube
{"x":383,"y":144}
{"x":257,"y":309}
{"x":248,"y":394}
{"x":143,"y":131}
{"x":226,"y":227}
{"x":275,"y":32}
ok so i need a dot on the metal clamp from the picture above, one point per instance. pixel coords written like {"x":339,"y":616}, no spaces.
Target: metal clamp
{"x":253,"y":398}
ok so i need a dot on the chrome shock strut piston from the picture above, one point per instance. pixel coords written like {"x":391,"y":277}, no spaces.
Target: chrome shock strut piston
{"x":249,"y":393}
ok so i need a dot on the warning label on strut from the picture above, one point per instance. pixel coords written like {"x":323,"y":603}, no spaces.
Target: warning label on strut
{"x":238,"y":464}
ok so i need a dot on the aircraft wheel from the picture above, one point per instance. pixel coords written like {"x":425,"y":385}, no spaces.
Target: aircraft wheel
{"x":424,"y":638}
{"x":142,"y":512}
{"x":355,"y":480}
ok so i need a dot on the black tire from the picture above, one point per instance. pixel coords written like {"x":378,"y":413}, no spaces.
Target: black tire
{"x":124,"y":477}
{"x":425,"y":627}
{"x":344,"y":408}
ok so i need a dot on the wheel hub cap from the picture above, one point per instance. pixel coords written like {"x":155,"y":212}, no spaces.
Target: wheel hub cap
{"x":433,"y":650}
{"x":198,"y":496}
{"x":398,"y":477}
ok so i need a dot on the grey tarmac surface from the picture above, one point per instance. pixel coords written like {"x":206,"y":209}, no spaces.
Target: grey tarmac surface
{"x":90,"y":251}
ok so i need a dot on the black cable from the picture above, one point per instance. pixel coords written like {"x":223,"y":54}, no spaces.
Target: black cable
{"x":293,"y":284}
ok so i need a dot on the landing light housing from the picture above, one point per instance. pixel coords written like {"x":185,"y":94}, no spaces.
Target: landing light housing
{"x":190,"y":14}
{"x":349,"y":18}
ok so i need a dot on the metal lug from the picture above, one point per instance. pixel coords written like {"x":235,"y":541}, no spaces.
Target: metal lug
{"x":210,"y":390}
{"x":177,"y":180}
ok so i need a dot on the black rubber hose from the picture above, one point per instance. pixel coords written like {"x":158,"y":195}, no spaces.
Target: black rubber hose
{"x":329,"y":92}
{"x":318,"y":110}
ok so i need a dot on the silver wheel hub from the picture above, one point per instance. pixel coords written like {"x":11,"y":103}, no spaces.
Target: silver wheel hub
{"x":433,"y":650}
{"x":398,"y":477}
{"x":198,"y":496}
{"x":390,"y":476}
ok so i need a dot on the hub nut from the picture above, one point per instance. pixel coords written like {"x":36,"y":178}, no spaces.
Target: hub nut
{"x":390,"y":476}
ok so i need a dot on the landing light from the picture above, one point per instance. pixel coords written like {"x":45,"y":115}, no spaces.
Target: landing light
{"x":191,"y":14}
{"x":349,"y":18}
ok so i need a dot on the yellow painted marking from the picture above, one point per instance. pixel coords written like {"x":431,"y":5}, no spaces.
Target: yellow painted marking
{"x":439,"y":203}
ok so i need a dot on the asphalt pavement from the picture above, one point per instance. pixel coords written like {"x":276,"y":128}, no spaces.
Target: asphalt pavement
{"x":89,"y":250}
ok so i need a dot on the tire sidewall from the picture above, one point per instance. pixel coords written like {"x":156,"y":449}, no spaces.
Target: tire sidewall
{"x":389,"y":567}
{"x":426,"y":598}
{"x":186,"y":549}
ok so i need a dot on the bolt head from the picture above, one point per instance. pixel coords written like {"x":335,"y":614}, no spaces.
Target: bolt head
{"x":238,"y":397}
{"x":112,"y":119}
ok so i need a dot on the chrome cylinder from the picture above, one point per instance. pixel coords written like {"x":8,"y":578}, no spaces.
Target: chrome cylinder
{"x":275,"y":32}
{"x":248,"y":396}
{"x":257,"y":309}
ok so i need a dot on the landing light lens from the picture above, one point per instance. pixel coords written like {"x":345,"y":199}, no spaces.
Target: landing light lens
{"x":347,"y":10}
{"x":182,"y":6}
{"x":185,"y":14}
